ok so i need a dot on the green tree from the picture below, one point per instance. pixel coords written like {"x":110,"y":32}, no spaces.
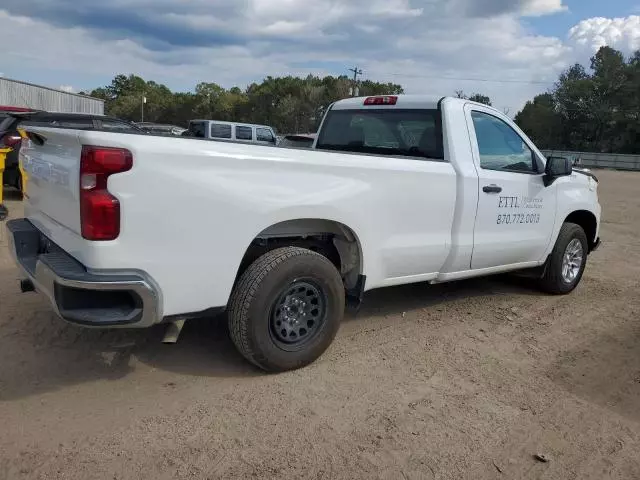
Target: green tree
{"x":541,"y":121}
{"x":476,"y":97}
{"x":480,"y":98}
{"x":593,"y":110}
{"x":289,"y":104}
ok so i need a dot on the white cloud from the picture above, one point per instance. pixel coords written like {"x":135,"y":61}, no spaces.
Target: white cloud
{"x":66,"y":88}
{"x":543,"y":7}
{"x":427,"y":46}
{"x":491,"y":8}
{"x":620,"y":33}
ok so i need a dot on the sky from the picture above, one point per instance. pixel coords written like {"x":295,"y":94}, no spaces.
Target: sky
{"x":510,"y":50}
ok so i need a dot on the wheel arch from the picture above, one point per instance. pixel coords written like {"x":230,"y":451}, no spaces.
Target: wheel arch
{"x":589,"y":223}
{"x":335,"y":240}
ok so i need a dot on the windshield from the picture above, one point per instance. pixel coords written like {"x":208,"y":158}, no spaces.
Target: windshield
{"x":410,"y":132}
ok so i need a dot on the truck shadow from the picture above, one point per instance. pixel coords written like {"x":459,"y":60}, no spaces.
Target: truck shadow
{"x":44,"y":354}
{"x":605,"y":371}
{"x":47,"y":355}
{"x":205,"y":349}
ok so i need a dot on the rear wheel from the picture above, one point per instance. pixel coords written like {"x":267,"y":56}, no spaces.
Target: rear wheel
{"x":286,"y":309}
{"x":567,"y":261}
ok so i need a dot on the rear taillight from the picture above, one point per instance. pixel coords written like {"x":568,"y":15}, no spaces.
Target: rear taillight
{"x":382,"y":100}
{"x":99,"y":210}
{"x":12,"y":141}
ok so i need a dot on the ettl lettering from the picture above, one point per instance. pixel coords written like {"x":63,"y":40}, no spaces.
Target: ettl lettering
{"x":508,"y":202}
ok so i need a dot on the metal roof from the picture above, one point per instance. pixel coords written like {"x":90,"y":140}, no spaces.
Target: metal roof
{"x":51,"y":89}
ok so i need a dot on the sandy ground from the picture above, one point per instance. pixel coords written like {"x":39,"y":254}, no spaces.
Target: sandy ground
{"x":466,"y":380}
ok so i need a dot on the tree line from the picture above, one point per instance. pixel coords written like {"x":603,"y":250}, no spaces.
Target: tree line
{"x":586,"y":110}
{"x":289,"y":104}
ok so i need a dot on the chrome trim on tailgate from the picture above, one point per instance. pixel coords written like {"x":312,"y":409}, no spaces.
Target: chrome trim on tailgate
{"x":56,"y":268}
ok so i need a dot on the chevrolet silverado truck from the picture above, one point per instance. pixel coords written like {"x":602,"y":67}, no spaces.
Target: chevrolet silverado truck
{"x":396,"y":190}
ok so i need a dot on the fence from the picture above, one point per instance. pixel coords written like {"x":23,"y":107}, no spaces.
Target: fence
{"x":600,"y":160}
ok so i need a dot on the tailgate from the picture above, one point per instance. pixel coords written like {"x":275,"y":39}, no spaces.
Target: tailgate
{"x":53,"y":172}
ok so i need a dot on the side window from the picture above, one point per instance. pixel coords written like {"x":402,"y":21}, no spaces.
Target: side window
{"x":244,"y":133}
{"x":264,"y":135}
{"x":220,"y":130}
{"x":500,"y":147}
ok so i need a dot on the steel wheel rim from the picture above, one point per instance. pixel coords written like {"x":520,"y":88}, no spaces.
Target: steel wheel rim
{"x":298,"y":313}
{"x":572,"y":261}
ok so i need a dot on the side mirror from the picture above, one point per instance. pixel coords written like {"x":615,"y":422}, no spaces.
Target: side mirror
{"x":556,"y":167}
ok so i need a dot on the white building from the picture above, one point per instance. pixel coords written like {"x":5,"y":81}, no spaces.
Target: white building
{"x":14,"y":93}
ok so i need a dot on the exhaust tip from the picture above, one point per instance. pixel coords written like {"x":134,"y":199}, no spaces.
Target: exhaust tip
{"x":27,"y":286}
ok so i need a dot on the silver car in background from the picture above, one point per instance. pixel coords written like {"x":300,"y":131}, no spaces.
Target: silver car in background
{"x":231,"y":132}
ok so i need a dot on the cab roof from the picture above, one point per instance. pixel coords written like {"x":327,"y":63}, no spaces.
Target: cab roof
{"x":403,"y":102}
{"x":224,"y":122}
{"x":407,"y":102}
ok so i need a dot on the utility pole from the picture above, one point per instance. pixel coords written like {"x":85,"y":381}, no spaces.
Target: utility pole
{"x":144,"y":100}
{"x":354,"y":88}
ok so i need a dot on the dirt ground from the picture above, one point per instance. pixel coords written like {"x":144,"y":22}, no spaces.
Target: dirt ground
{"x":466,"y":380}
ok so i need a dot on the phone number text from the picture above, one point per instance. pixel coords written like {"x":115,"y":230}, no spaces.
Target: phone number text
{"x":518,"y":218}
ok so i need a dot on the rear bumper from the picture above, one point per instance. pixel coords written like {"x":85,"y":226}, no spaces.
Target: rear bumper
{"x":78,"y":296}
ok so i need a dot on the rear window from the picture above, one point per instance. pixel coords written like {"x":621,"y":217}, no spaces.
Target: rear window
{"x":244,"y":133}
{"x":394,"y":132}
{"x":220,"y":130}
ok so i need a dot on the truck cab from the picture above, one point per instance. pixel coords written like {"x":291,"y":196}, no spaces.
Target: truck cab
{"x":509,"y":199}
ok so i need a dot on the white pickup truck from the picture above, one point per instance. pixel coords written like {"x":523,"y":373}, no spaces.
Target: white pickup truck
{"x":127,"y":230}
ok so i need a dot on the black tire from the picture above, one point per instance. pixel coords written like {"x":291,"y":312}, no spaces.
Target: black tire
{"x":259,"y":294}
{"x":552,"y":281}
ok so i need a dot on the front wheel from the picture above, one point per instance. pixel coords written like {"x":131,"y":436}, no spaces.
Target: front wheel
{"x":567,"y":261}
{"x":286,"y":309}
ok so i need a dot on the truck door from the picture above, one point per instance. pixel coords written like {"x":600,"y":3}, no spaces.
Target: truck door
{"x":516,"y":212}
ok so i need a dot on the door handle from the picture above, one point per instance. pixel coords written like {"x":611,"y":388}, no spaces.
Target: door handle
{"x":491,"y":188}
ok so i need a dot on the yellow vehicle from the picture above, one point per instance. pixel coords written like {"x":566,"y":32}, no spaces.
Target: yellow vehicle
{"x":3,"y":156}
